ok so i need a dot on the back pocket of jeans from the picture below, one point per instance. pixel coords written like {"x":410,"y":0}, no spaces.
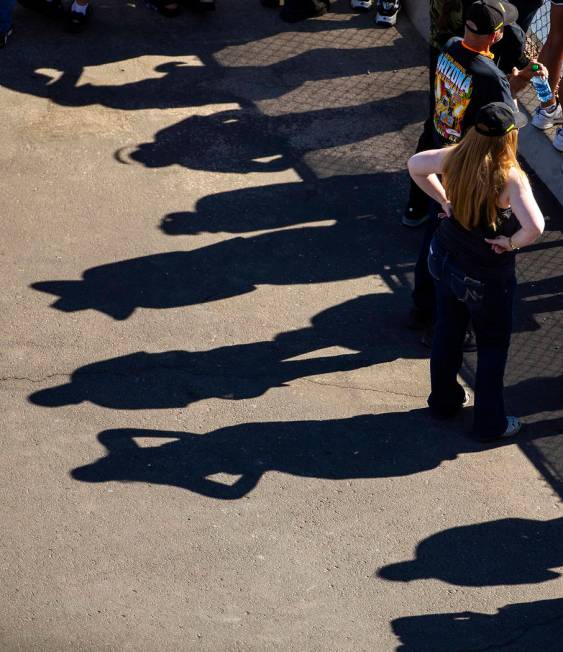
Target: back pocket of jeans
{"x":466,"y":289}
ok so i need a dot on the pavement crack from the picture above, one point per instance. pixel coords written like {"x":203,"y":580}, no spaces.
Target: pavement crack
{"x":363,"y":389}
{"x":7,"y":379}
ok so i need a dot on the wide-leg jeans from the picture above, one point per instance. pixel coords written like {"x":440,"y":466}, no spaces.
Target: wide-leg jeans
{"x":459,"y":298}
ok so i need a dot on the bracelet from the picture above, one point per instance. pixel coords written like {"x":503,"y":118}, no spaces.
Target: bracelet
{"x":511,"y":245}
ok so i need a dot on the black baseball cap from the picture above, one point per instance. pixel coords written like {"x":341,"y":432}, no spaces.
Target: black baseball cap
{"x":497,"y":119}
{"x":485,"y":17}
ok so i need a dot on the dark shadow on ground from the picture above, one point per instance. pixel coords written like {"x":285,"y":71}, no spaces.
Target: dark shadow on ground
{"x":353,"y":249}
{"x":366,"y":326}
{"x":341,"y":198}
{"x":120,"y":33}
{"x":524,"y":627}
{"x":235,"y":140}
{"x":368,"y":446}
{"x":505,"y":552}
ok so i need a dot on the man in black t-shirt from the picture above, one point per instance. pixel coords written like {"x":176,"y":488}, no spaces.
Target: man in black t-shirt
{"x":466,"y":79}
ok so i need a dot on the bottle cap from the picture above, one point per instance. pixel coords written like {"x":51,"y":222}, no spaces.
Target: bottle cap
{"x":535,"y":67}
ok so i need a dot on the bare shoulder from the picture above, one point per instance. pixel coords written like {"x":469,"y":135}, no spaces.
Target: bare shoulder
{"x":517,"y":179}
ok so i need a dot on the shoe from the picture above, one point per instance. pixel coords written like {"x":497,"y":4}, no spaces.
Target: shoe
{"x":4,"y":36}
{"x":311,"y":10}
{"x":545,"y":118}
{"x":387,"y":11}
{"x":54,"y":9}
{"x":448,"y":414}
{"x":558,"y":140}
{"x":414,"y":218}
{"x":76,"y":21}
{"x":513,"y":427}
{"x":361,"y":5}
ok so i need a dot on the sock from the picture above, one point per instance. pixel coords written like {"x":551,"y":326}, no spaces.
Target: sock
{"x":79,"y":9}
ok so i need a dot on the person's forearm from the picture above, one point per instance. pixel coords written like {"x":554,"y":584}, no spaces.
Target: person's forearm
{"x":519,"y":79}
{"x":517,"y":84}
{"x":524,"y":237}
{"x":431,"y":186}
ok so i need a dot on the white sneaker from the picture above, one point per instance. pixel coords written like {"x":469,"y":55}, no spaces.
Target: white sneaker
{"x":558,"y":140}
{"x":361,"y":5}
{"x":546,"y":118}
{"x":387,"y":11}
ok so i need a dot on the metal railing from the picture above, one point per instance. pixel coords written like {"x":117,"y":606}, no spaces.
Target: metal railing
{"x":539,"y":29}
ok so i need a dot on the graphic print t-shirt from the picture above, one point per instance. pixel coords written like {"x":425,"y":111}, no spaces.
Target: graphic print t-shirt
{"x":465,"y":81}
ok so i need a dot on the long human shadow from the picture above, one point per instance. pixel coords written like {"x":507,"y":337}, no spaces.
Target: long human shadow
{"x":367,"y":446}
{"x":365,"y":326}
{"x":236,"y":140}
{"x":118,"y":34}
{"x":351,"y":249}
{"x":342,"y":198}
{"x":180,"y":84}
{"x":504,"y":552}
{"x":516,"y":627}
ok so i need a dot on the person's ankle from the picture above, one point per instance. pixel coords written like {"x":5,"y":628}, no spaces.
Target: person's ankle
{"x":549,"y":106}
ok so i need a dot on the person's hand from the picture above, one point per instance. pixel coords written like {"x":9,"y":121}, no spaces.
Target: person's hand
{"x":446,"y":210}
{"x":500,"y":244}
{"x":528,"y":72}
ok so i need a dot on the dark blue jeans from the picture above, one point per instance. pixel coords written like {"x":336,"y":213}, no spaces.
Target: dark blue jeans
{"x":424,"y":292}
{"x":488,"y":304}
{"x":6,"y":8}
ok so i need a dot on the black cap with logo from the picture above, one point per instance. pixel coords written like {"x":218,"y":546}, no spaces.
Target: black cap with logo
{"x":485,"y":17}
{"x":497,"y":119}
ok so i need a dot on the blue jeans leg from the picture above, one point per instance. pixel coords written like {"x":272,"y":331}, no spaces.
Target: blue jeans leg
{"x":493,"y":326}
{"x":6,"y":9}
{"x":452,"y":318}
{"x":489,"y":306}
{"x":424,"y":293}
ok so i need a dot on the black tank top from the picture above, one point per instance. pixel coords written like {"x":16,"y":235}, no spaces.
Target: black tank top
{"x":469,"y":250}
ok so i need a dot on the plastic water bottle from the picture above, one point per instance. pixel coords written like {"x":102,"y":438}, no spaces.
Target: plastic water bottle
{"x":541,"y":86}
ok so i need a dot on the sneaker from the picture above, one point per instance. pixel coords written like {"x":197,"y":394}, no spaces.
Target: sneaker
{"x":361,"y":5}
{"x":4,"y":36}
{"x":387,"y":11}
{"x":414,"y":218}
{"x":292,"y":14}
{"x":558,"y":140}
{"x":545,"y":118}
{"x":76,"y":21}
{"x":513,"y":427}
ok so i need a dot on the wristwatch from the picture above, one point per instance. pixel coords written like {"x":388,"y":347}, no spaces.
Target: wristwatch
{"x":512,"y":247}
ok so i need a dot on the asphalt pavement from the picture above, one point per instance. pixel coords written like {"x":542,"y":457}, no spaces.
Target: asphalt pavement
{"x":215,"y":433}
